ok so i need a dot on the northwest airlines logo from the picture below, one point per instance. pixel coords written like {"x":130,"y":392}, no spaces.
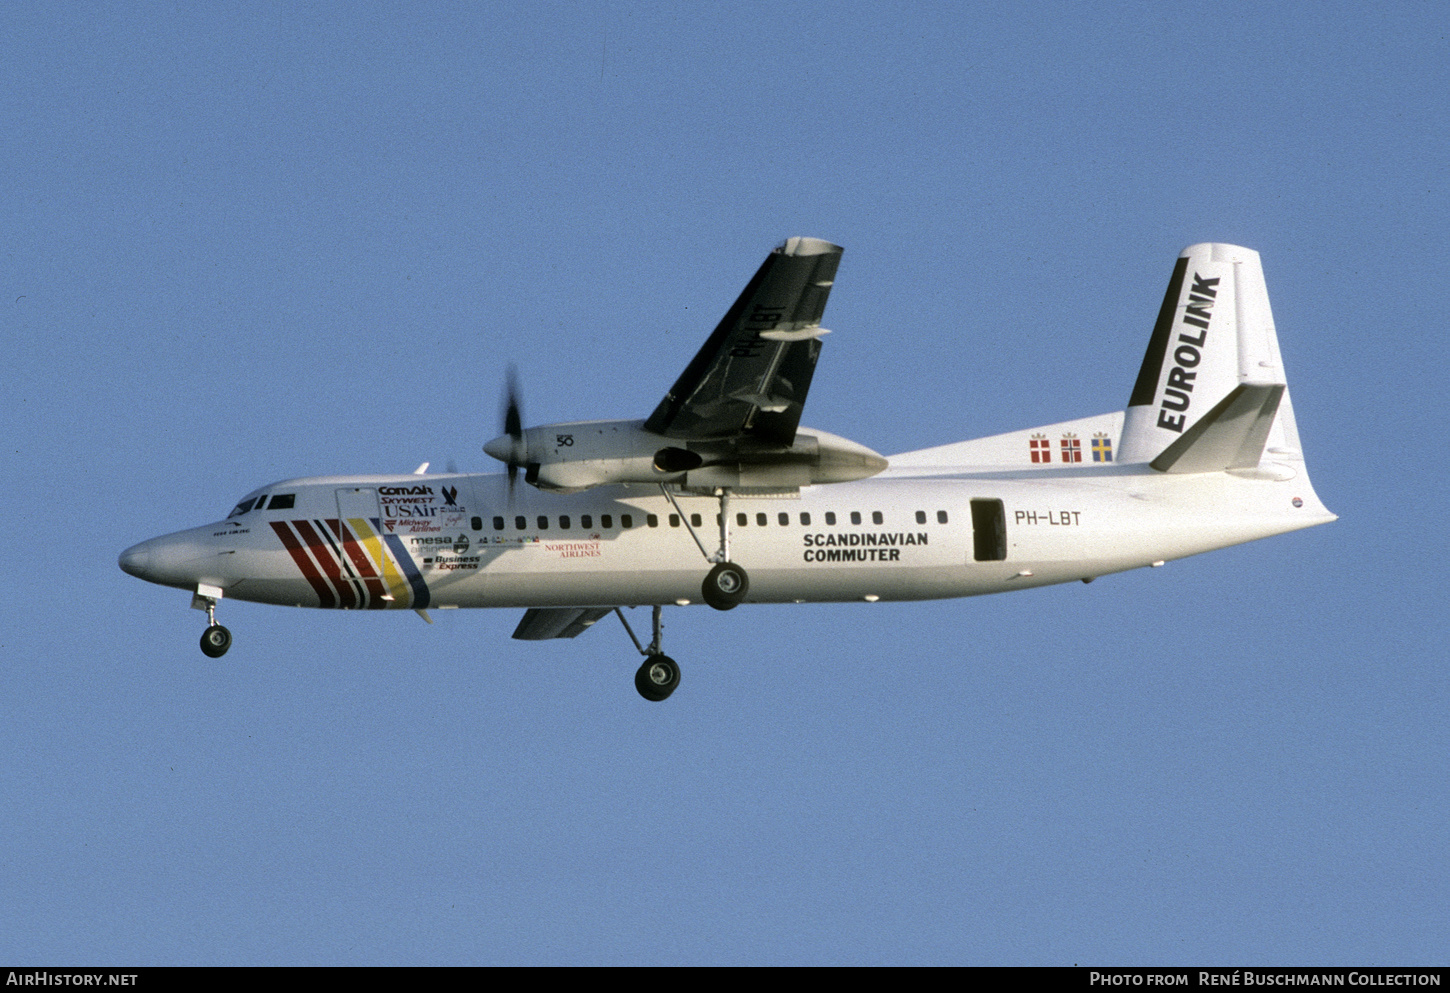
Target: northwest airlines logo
{"x":1177,"y":392}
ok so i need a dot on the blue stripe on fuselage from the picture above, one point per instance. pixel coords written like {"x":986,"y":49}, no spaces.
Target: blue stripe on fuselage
{"x":405,"y":562}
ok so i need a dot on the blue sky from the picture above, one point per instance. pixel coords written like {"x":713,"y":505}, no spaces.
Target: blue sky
{"x":249,"y":243}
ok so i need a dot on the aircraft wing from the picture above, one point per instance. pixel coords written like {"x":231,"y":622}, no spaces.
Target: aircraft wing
{"x":543,"y":623}
{"x":750,"y":378}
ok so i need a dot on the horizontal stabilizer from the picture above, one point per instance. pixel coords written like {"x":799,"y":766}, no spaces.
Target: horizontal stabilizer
{"x":1230,"y":436}
{"x":544,"y":623}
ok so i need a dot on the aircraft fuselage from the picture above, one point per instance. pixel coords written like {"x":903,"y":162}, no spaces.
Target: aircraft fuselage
{"x":455,"y":540}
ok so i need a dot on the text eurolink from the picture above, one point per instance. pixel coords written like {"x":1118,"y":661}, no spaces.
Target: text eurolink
{"x":1198,"y":313}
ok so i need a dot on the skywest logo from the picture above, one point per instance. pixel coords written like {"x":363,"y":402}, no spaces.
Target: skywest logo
{"x":1186,"y":356}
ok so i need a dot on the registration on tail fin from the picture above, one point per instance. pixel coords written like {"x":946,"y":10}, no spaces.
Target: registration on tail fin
{"x":1211,"y":394}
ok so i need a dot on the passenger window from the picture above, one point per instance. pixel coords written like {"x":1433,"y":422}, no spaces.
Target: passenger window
{"x":741,"y":520}
{"x":855,"y":517}
{"x":606,"y":521}
{"x":876,"y":517}
{"x":806,"y":519}
{"x":564,"y":522}
{"x":695,"y":519}
{"x":498,"y":523}
{"x":653,"y":520}
{"x":626,"y":520}
{"x":674,"y":520}
{"x":941,"y":516}
{"x":586,"y":520}
{"x":921,"y":517}
{"x":830,"y":517}
{"x":543,"y":523}
{"x":760,"y":520}
{"x":521,"y":522}
{"x":784,"y":519}
{"x":477,"y":523}
{"x":282,"y":501}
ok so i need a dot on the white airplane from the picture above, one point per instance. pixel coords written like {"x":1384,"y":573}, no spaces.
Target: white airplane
{"x":720,"y":495}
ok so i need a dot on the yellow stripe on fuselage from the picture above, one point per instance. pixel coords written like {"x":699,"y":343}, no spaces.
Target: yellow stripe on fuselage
{"x":399,"y":590}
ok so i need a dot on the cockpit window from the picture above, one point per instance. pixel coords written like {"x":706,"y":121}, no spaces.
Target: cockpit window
{"x":281,"y":501}
{"x":242,"y":507}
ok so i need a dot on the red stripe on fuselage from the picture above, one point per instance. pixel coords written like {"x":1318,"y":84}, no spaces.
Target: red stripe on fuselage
{"x":346,"y":595}
{"x":304,"y":563}
{"x":361,"y":563}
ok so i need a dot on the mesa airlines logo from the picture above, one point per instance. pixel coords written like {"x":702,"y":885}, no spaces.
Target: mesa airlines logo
{"x":1197,"y":314}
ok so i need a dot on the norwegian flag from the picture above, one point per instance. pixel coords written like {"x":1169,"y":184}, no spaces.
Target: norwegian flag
{"x":1071,"y":448}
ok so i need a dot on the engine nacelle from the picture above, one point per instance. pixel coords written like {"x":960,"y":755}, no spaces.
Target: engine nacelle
{"x":577,"y":455}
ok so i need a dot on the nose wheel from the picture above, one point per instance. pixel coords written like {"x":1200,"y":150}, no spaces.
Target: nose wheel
{"x":215,"y":640}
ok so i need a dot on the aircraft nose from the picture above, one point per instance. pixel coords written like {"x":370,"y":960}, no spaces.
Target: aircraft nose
{"x":136,"y":560}
{"x":182,"y":559}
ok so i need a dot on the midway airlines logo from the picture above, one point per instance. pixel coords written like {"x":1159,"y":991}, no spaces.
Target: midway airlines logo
{"x":1177,"y":391}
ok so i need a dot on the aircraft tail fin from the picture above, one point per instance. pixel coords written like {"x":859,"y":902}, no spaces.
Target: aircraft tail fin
{"x":1211,"y":393}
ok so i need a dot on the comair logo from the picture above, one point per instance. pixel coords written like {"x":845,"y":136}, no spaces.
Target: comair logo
{"x":406,"y":490}
{"x":1177,"y":391}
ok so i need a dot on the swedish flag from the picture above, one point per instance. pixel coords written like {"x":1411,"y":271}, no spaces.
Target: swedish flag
{"x":1102,"y":448}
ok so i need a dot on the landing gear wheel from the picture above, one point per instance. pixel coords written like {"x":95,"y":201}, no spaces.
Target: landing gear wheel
{"x":215,"y":641}
{"x":725,"y":586}
{"x":657,"y":678}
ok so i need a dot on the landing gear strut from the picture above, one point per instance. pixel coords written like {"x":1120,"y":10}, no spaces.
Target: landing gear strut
{"x":726,"y":585}
{"x":215,"y":640}
{"x":659,"y":675}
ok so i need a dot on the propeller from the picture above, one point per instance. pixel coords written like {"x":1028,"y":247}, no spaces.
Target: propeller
{"x":513,"y":426}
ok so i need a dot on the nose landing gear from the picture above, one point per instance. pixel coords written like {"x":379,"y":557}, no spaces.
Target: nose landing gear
{"x":215,"y":640}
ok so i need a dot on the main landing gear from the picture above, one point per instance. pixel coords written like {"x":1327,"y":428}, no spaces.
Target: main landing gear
{"x":657,"y":678}
{"x":726,"y":585}
{"x":215,"y":640}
